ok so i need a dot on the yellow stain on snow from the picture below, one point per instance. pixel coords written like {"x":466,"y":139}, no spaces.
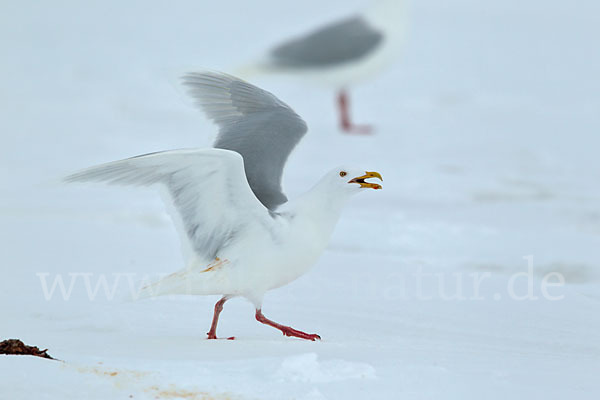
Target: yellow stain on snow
{"x":130,"y":380}
{"x":122,"y":378}
{"x":172,"y":392}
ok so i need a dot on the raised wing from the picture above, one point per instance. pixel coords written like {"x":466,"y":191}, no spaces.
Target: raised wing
{"x":252,"y":122}
{"x":208,"y":188}
{"x":344,"y":41}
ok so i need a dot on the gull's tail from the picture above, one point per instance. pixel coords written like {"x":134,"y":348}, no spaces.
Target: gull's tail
{"x":170,"y":284}
{"x":195,"y":280}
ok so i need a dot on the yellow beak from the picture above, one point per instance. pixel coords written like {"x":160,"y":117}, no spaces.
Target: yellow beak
{"x":361,"y":180}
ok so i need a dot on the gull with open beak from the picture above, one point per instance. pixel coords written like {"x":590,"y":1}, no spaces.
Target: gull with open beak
{"x":244,"y":237}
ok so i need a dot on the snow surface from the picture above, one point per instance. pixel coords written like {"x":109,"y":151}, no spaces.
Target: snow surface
{"x":487,"y":138}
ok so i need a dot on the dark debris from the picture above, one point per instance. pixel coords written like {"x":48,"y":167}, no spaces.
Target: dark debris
{"x":16,"y":347}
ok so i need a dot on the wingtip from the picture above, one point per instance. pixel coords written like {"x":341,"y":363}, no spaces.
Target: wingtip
{"x":192,"y":77}
{"x":71,"y":178}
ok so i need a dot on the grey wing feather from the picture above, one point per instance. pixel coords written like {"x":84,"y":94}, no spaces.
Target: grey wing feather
{"x":252,"y":122}
{"x":345,"y":41}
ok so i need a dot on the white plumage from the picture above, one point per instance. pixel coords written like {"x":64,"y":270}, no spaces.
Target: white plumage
{"x":243,"y":243}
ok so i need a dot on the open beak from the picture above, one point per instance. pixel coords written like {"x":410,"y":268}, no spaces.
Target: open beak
{"x":361,"y":180}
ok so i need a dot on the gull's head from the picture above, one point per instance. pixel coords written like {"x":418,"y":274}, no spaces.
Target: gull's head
{"x":353,"y":180}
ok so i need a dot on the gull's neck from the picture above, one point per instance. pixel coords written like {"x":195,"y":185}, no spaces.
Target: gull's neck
{"x":321,"y":205}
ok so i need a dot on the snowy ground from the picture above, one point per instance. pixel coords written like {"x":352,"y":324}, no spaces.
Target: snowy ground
{"x":487,"y":140}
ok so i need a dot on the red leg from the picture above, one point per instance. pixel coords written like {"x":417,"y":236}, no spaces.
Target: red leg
{"x":344,"y":113}
{"x":212,"y":334}
{"x":345,"y":120}
{"x":286,"y":330}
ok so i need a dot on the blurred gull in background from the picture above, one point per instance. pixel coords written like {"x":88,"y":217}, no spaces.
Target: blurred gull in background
{"x":341,"y":53}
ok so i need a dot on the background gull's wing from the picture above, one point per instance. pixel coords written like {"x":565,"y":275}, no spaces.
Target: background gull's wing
{"x":344,"y":41}
{"x":252,"y":122}
{"x":208,"y":188}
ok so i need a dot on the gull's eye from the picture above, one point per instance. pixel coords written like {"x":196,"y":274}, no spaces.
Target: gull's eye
{"x":343,"y":173}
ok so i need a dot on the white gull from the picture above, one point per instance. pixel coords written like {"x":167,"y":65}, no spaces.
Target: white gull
{"x":245,"y":237}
